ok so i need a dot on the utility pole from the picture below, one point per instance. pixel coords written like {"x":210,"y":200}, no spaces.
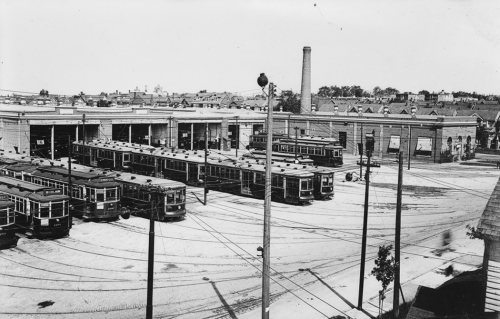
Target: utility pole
{"x":409,"y":145}
{"x":266,"y":253}
{"x":70,"y":185}
{"x":370,"y":145}
{"x":151,"y":261}
{"x":395,"y":303}
{"x":205,"y":190}
{"x":296,"y":128}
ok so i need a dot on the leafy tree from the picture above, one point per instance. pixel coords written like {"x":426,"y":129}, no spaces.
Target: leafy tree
{"x":44,"y":92}
{"x":384,"y":271}
{"x":324,"y":91}
{"x":203,"y":91}
{"x":473,"y":233}
{"x":290,"y":102}
{"x":377,"y":91}
{"x":425,"y":92}
{"x":391,"y":91}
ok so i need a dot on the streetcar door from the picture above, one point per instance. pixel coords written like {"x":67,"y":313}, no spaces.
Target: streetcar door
{"x":193,"y":173}
{"x":247,"y":182}
{"x":93,"y":157}
{"x":118,"y":160}
{"x":292,"y":188}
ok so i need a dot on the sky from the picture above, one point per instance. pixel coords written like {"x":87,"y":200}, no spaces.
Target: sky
{"x":67,"y":47}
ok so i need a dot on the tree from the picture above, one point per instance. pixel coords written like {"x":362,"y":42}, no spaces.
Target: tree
{"x":290,"y":102}
{"x":384,"y":272}
{"x":325,"y":91}
{"x":391,"y":91}
{"x":425,"y":92}
{"x":44,"y":92}
{"x":203,"y":91}
{"x":377,"y":91}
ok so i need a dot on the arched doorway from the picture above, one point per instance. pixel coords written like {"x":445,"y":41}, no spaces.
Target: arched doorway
{"x":459,"y":147}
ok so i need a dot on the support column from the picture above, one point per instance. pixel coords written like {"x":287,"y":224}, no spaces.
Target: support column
{"x":149,"y":135}
{"x":52,"y":142}
{"x":331,"y":128}
{"x":76,"y":134}
{"x":286,"y":127}
{"x":355,"y":147}
{"x":308,"y":132}
{"x":381,"y":142}
{"x":192,"y":135}
{"x":130,"y":133}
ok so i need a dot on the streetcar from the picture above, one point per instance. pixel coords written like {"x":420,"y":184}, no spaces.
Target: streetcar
{"x":259,"y":141}
{"x":41,"y":211}
{"x":140,"y":194}
{"x":8,"y":227}
{"x":94,"y":196}
{"x":189,"y":167}
{"x":324,"y":177}
{"x":324,"y":151}
{"x":107,"y":154}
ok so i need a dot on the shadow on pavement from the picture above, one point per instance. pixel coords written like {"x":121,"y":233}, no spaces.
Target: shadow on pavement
{"x":230,"y":311}
{"x":339,"y":295}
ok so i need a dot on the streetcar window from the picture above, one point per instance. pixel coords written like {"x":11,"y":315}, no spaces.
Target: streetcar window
{"x":126,"y":157}
{"x":100,"y":195}
{"x":325,"y":181}
{"x":44,"y":210}
{"x":222,"y":172}
{"x":236,"y":174}
{"x":180,"y":197}
{"x":170,"y":198}
{"x":57,"y":209}
{"x":4,"y":217}
{"x":111,"y":194}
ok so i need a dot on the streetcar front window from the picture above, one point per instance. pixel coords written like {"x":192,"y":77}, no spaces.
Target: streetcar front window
{"x":44,"y":210}
{"x":325,"y":181}
{"x":111,"y":194}
{"x":181,"y":195}
{"x":306,"y":184}
{"x":57,"y":209}
{"x":99,"y":195}
{"x":170,"y":198}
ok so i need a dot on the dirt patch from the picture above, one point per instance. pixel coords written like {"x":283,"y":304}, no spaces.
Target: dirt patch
{"x":168,"y":267}
{"x":414,"y":190}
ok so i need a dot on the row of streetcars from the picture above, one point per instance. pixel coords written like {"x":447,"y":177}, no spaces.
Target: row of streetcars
{"x":324,"y":151}
{"x":290,"y":184}
{"x":35,"y":200}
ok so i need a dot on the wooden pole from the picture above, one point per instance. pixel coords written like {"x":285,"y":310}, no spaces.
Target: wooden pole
{"x":151,"y":260}
{"x":267,"y":211}
{"x":397,"y":259}
{"x":365,"y":226}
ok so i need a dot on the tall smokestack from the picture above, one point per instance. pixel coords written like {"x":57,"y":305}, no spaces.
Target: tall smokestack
{"x":305,"y":92}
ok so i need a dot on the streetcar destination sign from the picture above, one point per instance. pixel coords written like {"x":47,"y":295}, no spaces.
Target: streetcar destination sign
{"x":52,"y":192}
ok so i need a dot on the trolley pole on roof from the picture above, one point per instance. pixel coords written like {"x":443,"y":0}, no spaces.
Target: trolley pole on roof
{"x":266,"y":251}
{"x":205,"y":190}
{"x":70,"y":185}
{"x":397,"y":243}
{"x":151,"y":260}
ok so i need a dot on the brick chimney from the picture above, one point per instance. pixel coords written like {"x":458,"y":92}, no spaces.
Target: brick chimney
{"x":305,"y":92}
